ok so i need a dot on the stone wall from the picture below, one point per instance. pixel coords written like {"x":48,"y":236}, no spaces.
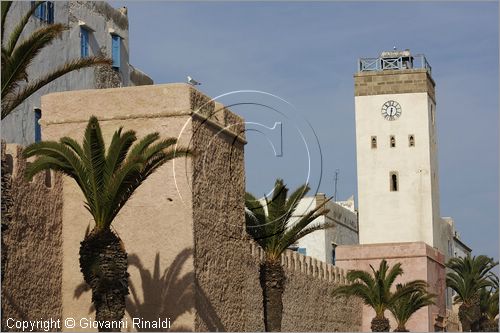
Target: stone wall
{"x":394,"y":82}
{"x":31,"y":289}
{"x":190,"y":259}
{"x":307,"y":301}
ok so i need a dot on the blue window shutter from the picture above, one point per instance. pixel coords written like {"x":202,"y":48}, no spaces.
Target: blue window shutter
{"x":84,"y":42}
{"x":43,"y":11}
{"x":38,"y":129}
{"x":302,"y":250}
{"x":115,"y":50}
{"x":50,"y":12}
{"x":38,"y":11}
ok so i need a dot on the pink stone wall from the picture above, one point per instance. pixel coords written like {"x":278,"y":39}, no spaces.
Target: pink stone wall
{"x":418,"y":260}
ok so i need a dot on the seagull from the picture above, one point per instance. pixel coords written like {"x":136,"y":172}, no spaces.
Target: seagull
{"x":192,"y":81}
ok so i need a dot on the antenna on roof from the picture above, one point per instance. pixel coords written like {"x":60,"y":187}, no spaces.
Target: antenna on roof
{"x":337,"y":171}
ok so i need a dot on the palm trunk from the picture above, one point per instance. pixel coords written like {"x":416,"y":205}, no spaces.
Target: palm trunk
{"x":401,"y":329}
{"x":6,"y":199}
{"x":103,"y":262}
{"x":272,"y":281}
{"x":380,"y":324}
{"x":468,"y":314}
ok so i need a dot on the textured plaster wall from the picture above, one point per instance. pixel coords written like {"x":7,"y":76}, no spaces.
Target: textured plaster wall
{"x":189,"y":257}
{"x":156,"y":224}
{"x":227,"y":281}
{"x":309,"y":306}
{"x":416,"y":203}
{"x":307,"y":301}
{"x":31,"y":289}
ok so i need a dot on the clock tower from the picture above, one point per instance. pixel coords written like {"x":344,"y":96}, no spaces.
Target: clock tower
{"x":398,"y":194}
{"x":395,"y":107}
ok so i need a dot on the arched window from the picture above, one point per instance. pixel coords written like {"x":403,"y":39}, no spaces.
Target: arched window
{"x":393,"y":178}
{"x":374,"y":142}
{"x":411,"y":140}
{"x":393,"y":141}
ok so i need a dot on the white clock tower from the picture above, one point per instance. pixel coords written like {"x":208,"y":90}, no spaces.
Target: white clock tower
{"x":397,"y":167}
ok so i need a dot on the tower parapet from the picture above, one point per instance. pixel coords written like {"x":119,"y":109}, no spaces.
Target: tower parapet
{"x":394,"y":60}
{"x":394,"y":72}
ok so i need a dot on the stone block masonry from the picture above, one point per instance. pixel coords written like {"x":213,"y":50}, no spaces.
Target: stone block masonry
{"x":394,"y":82}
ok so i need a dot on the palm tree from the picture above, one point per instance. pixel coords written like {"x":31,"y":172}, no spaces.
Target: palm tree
{"x":274,"y":231}
{"x":107,"y":179}
{"x":404,"y":307}
{"x":488,"y":304}
{"x":375,"y":290}
{"x":17,"y":56}
{"x":467,"y":277}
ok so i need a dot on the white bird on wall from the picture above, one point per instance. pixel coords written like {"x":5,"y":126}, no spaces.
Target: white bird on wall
{"x":192,"y":81}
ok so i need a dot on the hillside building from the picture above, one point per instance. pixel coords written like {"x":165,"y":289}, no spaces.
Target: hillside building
{"x":95,"y":28}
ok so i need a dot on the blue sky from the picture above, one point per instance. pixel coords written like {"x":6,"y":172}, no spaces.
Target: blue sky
{"x":306,"y":54}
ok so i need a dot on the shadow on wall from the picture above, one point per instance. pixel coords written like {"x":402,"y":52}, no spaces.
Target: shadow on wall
{"x":165,"y":295}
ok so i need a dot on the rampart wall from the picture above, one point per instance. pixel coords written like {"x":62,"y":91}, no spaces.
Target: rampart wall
{"x":307,"y":301}
{"x":189,"y":257}
{"x":31,"y":242}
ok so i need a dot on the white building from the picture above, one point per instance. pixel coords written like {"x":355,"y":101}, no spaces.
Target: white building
{"x":322,"y":244}
{"x":456,"y":248}
{"x":94,"y":28}
{"x":396,"y":145}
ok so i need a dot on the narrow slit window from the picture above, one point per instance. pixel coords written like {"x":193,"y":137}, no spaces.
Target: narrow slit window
{"x":48,"y":178}
{"x":84,"y":42}
{"x":116,"y":42}
{"x":411,"y":141}
{"x":38,"y":129}
{"x":392,"y":141}
{"x":334,"y":248}
{"x":9,"y":161}
{"x":374,"y":142}
{"x":393,"y":178}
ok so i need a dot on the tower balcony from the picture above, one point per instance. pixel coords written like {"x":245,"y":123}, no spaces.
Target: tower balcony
{"x":394,"y":60}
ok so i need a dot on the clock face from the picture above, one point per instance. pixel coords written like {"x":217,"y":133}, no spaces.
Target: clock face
{"x":391,"y":110}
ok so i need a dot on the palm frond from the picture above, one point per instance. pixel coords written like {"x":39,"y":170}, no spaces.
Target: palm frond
{"x":107,"y":178}
{"x":18,"y":29}
{"x":22,"y":56}
{"x":413,"y":297}
{"x":468,"y":276}
{"x":273,"y":229}
{"x":376,"y":291}
{"x":310,"y":229}
{"x":5,"y":9}
{"x":11,"y":101}
{"x":117,"y":152}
